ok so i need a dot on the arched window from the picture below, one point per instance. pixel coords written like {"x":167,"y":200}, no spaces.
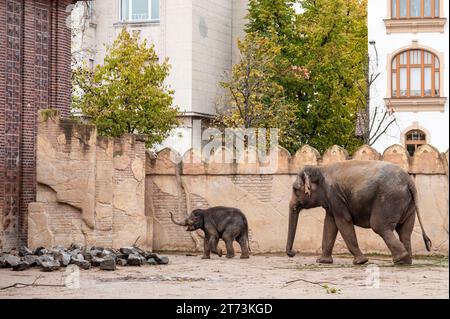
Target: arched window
{"x":415,"y":73}
{"x":414,"y":139}
{"x":407,"y":9}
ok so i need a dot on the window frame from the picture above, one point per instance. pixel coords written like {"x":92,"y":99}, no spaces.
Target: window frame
{"x":415,"y":143}
{"x":433,"y":10}
{"x":408,"y":65}
{"x":130,"y":13}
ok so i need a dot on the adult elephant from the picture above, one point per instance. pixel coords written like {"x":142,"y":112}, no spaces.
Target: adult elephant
{"x":368,"y":194}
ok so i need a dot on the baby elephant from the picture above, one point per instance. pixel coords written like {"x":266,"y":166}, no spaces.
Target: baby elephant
{"x":219,"y":222}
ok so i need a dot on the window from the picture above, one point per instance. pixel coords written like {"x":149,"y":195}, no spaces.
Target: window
{"x":415,"y":73}
{"x":90,"y":9}
{"x":139,"y":10}
{"x":407,"y":9}
{"x":414,"y":139}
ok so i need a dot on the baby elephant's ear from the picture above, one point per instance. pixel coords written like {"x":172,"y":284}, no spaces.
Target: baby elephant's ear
{"x":307,"y":184}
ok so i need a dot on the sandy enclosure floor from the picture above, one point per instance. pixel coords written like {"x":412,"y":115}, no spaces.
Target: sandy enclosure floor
{"x":264,"y":276}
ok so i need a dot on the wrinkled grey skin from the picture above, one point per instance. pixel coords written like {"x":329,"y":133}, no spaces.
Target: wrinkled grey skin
{"x":219,"y":222}
{"x":368,"y":194}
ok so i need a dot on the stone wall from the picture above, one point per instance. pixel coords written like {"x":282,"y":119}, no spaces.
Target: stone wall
{"x":90,"y":189}
{"x":103,"y":191}
{"x":264,"y":197}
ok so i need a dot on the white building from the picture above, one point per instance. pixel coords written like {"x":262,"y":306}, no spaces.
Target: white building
{"x":198,"y":36}
{"x":411,"y":40}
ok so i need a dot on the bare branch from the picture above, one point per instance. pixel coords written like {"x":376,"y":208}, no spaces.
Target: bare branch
{"x":384,"y":131}
{"x":33,"y":284}
{"x":379,"y":124}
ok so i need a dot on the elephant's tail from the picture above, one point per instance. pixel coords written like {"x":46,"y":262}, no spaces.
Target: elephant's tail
{"x":413,"y":190}
{"x":246,"y":230}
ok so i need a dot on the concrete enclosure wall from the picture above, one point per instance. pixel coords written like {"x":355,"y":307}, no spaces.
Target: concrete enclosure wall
{"x":95,"y":190}
{"x":264,"y":197}
{"x":90,"y":189}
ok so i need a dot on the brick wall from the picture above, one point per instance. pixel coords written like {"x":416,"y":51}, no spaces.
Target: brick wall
{"x":34,"y":74}
{"x":263,"y":195}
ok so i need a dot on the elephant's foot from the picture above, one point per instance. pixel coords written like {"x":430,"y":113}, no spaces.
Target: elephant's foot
{"x":325,"y":260}
{"x":245,"y":256}
{"x":291,"y":253}
{"x":230,"y":255}
{"x":206,"y":257}
{"x":360,"y":260}
{"x":403,"y":259}
{"x":218,"y":252}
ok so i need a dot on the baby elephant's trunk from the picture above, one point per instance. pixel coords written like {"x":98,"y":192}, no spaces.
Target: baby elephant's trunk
{"x":176,"y":222}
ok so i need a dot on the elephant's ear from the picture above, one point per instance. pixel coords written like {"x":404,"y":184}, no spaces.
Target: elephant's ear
{"x":307,"y":184}
{"x":298,"y":183}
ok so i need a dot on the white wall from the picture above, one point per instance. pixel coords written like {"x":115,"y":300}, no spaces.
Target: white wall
{"x":239,"y":13}
{"x":211,"y":51}
{"x":199,"y":38}
{"x":437,"y":123}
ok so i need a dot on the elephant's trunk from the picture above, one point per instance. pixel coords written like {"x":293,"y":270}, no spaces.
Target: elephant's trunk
{"x":175,"y":222}
{"x":293,"y":220}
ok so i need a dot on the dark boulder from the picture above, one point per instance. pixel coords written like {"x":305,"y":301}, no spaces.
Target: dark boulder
{"x":164,"y":261}
{"x":108,"y":264}
{"x":87,"y":255}
{"x":159,"y":260}
{"x":49,"y":266}
{"x":135,"y":260}
{"x":128,"y":250}
{"x":121,"y":262}
{"x":151,"y":261}
{"x":9,"y":261}
{"x":96,"y":261}
{"x":107,"y":253}
{"x":83,"y":264}
{"x":40,"y":251}
{"x":31,"y":259}
{"x":21,"y":266}
{"x":43,"y":259}
{"x":25,"y":251}
{"x":63,"y":257}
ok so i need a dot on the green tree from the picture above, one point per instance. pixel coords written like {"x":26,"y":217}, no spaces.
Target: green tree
{"x":320,"y":66}
{"x":333,"y":48}
{"x":253,"y":98}
{"x":127,"y":94}
{"x":273,"y":18}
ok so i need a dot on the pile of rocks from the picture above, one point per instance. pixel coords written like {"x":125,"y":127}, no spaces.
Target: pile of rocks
{"x":54,"y":259}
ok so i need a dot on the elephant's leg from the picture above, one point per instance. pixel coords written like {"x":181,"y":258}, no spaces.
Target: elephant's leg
{"x":229,"y":245}
{"x":213,"y":242}
{"x":398,"y":250}
{"x":404,"y":232}
{"x":243,"y":242}
{"x":385,"y":228}
{"x":330,"y":231}
{"x":347,"y":230}
{"x":206,"y":247}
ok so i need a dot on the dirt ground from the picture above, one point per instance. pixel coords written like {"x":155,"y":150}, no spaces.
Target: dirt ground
{"x":262,"y":276}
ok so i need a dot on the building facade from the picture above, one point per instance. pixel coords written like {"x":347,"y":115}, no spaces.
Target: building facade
{"x":198,"y":36}
{"x":409,"y":43}
{"x":34,"y":74}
